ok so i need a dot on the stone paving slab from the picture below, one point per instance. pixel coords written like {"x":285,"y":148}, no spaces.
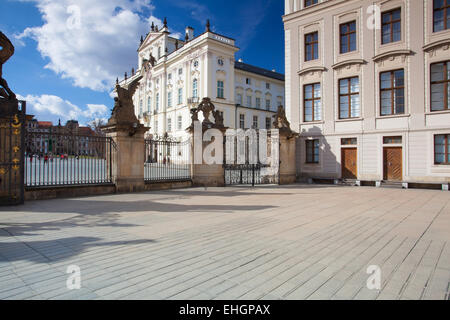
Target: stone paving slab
{"x":268,"y":242}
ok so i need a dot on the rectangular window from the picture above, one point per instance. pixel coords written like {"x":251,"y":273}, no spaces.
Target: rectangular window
{"x":169,"y":76}
{"x":441,"y":15}
{"x":141,"y":103}
{"x":169,"y":99}
{"x":268,"y":123}
{"x":267,"y":85}
{"x":169,"y":125}
{"x":442,"y":149}
{"x":249,"y":101}
{"x":391,"y":26}
{"x":149,"y":104}
{"x":255,"y":122}
{"x":348,"y":141}
{"x":180,"y":122}
{"x":219,"y":89}
{"x":349,"y":106}
{"x":312,"y":102}
{"x":180,"y":95}
{"x":392,"y":92}
{"x":348,"y":37}
{"x":440,"y":86}
{"x":239,"y":98}
{"x":310,"y":2}
{"x":180,"y":71}
{"x":267,"y":104}
{"x":157,"y":102}
{"x":248,"y":81}
{"x":156,"y":126}
{"x":392,"y":140}
{"x":242,"y":121}
{"x":312,"y":151}
{"x":258,"y":102}
{"x":312,"y":46}
{"x":195,"y":88}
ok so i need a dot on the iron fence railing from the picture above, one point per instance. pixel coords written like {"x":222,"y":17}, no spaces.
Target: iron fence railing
{"x":55,"y":159}
{"x":167,"y":160}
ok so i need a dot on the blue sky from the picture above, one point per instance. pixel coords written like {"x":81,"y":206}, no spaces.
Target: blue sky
{"x":69,"y":52}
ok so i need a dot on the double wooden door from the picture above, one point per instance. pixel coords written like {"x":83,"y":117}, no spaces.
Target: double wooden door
{"x":392,"y":159}
{"x":349,"y":162}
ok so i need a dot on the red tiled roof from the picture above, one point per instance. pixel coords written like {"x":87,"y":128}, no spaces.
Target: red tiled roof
{"x":45,"y":124}
{"x":85,"y":130}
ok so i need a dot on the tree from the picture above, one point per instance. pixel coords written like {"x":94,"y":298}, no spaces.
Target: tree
{"x":96,"y":125}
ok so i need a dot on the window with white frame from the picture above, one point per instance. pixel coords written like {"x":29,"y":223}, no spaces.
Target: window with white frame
{"x":349,"y":106}
{"x":169,"y":124}
{"x":179,"y":122}
{"x":220,"y":89}
{"x":267,"y":104}
{"x":239,"y":98}
{"x":195,"y":88}
{"x":258,"y":102}
{"x":268,"y":123}
{"x":149,"y":104}
{"x":249,"y":101}
{"x":169,"y":99}
{"x":312,"y":102}
{"x":242,"y":121}
{"x":180,"y":95}
{"x":157,"y":102}
{"x":440,"y":86}
{"x":255,"y":122}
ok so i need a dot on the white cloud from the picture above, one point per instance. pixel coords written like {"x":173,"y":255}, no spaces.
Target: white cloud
{"x":51,"y":107}
{"x":90,"y":42}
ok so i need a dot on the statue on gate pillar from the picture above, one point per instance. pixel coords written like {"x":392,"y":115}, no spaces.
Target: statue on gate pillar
{"x":5,"y":53}
{"x":281,"y":123}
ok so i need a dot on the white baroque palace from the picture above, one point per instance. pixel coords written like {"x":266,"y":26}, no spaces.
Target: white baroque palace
{"x":367,"y":88}
{"x":182,"y":72}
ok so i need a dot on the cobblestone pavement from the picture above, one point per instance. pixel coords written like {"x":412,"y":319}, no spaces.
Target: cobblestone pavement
{"x":270,"y":242}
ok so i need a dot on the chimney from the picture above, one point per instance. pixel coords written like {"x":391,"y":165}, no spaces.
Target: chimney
{"x":189,"y":33}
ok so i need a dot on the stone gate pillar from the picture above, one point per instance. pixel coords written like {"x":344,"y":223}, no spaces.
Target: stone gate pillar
{"x":204,"y":174}
{"x":129,"y":145}
{"x":288,"y":172}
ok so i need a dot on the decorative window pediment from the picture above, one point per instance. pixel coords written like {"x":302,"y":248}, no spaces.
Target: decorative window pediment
{"x":312,"y":70}
{"x":392,"y":55}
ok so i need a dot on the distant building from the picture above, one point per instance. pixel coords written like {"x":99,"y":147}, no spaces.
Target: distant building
{"x":45,"y":138}
{"x":181,"y":72}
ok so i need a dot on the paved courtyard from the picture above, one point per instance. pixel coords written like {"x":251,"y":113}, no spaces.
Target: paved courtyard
{"x":270,"y":242}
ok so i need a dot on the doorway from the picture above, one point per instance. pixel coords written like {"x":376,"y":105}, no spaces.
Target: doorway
{"x":392,"y":160}
{"x":349,"y":164}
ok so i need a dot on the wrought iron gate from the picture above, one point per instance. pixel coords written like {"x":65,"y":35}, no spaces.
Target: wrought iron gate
{"x":251,"y":173}
{"x":12,"y":132}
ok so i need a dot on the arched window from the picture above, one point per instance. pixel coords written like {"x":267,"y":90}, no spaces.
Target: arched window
{"x":195,"y":88}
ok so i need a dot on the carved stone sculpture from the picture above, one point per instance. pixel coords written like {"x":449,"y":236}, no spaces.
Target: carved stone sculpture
{"x":281,"y":122}
{"x":207,"y":107}
{"x":5,"y":53}
{"x":123,"y":111}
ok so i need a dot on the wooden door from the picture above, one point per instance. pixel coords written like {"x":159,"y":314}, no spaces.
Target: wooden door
{"x":349,"y":163}
{"x":392,"y":163}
